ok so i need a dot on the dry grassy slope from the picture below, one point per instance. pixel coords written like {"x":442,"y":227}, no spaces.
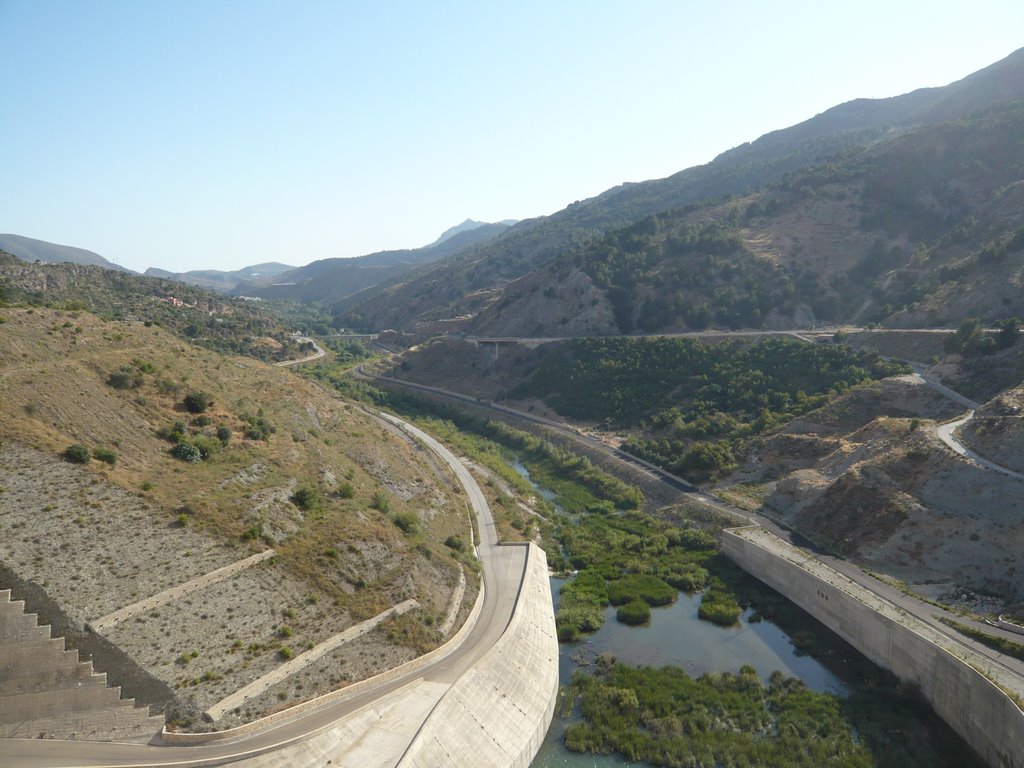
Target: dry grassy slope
{"x":351,"y":557}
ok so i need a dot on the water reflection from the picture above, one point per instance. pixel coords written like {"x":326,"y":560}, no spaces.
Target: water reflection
{"x":675,"y":635}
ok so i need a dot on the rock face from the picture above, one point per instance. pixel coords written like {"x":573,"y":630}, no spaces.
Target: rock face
{"x":549,"y":305}
{"x":46,"y":692}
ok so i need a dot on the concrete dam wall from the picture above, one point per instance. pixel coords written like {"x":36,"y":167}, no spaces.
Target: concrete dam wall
{"x":966,"y":699}
{"x":497,"y":714}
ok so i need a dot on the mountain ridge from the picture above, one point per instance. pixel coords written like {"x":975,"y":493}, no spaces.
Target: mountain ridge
{"x":466,"y":284}
{"x":221,"y":280}
{"x":331,"y":280}
{"x":31,"y":249}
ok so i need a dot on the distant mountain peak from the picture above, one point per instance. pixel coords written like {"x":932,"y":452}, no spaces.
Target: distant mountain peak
{"x":466,"y":226}
{"x":30,"y":249}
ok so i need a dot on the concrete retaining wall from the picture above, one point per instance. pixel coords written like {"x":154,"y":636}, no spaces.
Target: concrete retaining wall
{"x":497,"y":714}
{"x":966,"y":699}
{"x":1009,"y":626}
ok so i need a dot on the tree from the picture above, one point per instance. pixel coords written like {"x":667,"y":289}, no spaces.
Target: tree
{"x":967,"y":338}
{"x":1009,"y":330}
{"x":187,"y":452}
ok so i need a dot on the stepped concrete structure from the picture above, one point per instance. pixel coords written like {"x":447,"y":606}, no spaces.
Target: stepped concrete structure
{"x":46,"y":692}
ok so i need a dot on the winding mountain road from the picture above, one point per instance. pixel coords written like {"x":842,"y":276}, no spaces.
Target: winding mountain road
{"x":315,"y":356}
{"x":947,"y":433}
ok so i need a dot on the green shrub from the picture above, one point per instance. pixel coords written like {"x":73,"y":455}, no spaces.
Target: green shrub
{"x":168,"y":387}
{"x":77,"y":453}
{"x":124,"y":378}
{"x":634,"y":612}
{"x":567,"y":632}
{"x":187,"y":452}
{"x":197,"y":402}
{"x":407,"y":522}
{"x":285,"y":653}
{"x":718,"y":605}
{"x":635,"y":586}
{"x":224,"y":434}
{"x":258,"y":427}
{"x":456,"y":543}
{"x":581,"y":608}
{"x":105,"y":455}
{"x":380,"y":501}
{"x":346,"y":490}
{"x":306,"y":498}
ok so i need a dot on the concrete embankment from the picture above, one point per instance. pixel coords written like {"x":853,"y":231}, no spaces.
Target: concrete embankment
{"x":950,"y":677}
{"x":498,"y":713}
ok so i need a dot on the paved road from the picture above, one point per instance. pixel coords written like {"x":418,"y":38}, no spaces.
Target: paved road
{"x":924,"y":611}
{"x":804,"y":334}
{"x":503,"y":569}
{"x":315,"y":356}
{"x":947,"y":433}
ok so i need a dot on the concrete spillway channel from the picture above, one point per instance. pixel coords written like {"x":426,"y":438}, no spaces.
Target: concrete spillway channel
{"x":485,"y":698}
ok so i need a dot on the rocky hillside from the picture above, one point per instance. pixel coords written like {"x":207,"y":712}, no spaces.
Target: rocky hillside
{"x":893,"y":498}
{"x":889,"y":177}
{"x":133,"y":461}
{"x":997,"y":430}
{"x":30,"y":249}
{"x":923,"y":230}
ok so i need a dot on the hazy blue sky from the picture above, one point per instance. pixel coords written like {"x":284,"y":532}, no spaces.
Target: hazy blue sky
{"x":215,"y":134}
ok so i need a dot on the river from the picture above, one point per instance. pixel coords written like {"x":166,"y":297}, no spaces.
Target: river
{"x":676,"y":636}
{"x":904,"y":731}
